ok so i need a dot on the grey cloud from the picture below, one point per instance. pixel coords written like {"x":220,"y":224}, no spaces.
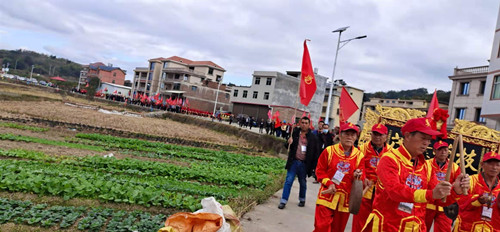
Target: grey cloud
{"x":409,"y":45}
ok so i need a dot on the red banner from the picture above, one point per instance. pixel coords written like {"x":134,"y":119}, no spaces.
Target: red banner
{"x":347,"y":106}
{"x":307,"y":80}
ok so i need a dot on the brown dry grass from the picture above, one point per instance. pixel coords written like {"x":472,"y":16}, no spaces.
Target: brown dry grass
{"x":162,"y":127}
{"x":45,"y":93}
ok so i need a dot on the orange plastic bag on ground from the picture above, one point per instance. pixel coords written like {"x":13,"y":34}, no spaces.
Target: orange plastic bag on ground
{"x":193,"y":222}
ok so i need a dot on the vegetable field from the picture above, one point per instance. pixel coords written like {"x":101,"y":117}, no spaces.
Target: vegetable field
{"x":118,"y":184}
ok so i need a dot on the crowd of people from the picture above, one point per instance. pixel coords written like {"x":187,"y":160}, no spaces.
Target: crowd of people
{"x":401,"y":191}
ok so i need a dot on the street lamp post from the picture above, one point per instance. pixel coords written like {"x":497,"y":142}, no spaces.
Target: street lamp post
{"x":217,"y":96}
{"x":330,"y":92}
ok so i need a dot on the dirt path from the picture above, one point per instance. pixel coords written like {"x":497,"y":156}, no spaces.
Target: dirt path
{"x":267,"y":217}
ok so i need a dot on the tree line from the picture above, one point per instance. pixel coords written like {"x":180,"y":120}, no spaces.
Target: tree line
{"x":420,"y":93}
{"x":20,"y":62}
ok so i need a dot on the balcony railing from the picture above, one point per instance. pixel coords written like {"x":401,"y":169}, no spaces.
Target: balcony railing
{"x":183,"y":70}
{"x":471,"y":70}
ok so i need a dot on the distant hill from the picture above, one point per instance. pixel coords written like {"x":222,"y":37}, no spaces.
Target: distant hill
{"x":46,"y":65}
{"x":420,"y":93}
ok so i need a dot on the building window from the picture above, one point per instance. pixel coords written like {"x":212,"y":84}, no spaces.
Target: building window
{"x":478,"y":117}
{"x":148,"y":87}
{"x":114,"y":74}
{"x":177,"y":76}
{"x":392,"y":101}
{"x":496,"y":88}
{"x":255,"y":94}
{"x":164,"y":64}
{"x":150,"y":77}
{"x":194,"y":88}
{"x":210,"y":71}
{"x":186,"y":77}
{"x":227,"y":95}
{"x":218,"y":78}
{"x":269,"y":81}
{"x":136,"y":84}
{"x":113,"y":81}
{"x":164,"y":76}
{"x":482,"y":86}
{"x":235,"y":93}
{"x":257,"y":80}
{"x":324,"y":109}
{"x":460,"y":113}
{"x":338,"y":111}
{"x":245,"y":93}
{"x":464,"y":88}
{"x":266,"y":95}
{"x":162,"y":85}
{"x":191,"y":68}
{"x":177,"y":86}
{"x":152,"y":66}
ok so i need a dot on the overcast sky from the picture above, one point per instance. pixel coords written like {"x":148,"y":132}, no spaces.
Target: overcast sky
{"x":410,"y":44}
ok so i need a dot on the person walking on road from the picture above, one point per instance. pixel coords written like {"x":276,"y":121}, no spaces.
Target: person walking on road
{"x":303,"y":147}
{"x":372,"y":152}
{"x":406,"y":183}
{"x":336,"y":170}
{"x":440,"y":164}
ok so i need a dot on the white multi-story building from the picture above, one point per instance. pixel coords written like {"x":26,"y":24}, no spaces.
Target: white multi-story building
{"x":491,"y":97}
{"x":467,"y":94}
{"x":177,"y":77}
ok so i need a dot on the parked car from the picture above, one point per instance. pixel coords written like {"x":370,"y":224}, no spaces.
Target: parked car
{"x":43,"y":83}
{"x":32,"y":81}
{"x":21,"y":78}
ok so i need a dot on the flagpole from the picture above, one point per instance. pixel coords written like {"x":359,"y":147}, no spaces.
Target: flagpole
{"x":296,"y":103}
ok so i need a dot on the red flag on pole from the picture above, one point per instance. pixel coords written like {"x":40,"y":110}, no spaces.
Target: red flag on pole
{"x":347,"y":106}
{"x":276,"y":114}
{"x":433,"y":105}
{"x":307,"y":80}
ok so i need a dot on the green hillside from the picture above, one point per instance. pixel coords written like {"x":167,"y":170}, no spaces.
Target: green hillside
{"x":20,"y":62}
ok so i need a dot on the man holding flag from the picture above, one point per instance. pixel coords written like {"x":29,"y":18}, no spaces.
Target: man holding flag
{"x":302,"y":144}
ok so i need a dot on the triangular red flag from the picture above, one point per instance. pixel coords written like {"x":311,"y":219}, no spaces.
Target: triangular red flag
{"x":433,"y":105}
{"x":307,"y":80}
{"x":347,"y":106}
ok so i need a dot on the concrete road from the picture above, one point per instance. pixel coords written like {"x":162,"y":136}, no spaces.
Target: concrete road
{"x":267,"y":217}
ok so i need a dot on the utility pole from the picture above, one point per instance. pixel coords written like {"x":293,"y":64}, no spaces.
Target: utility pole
{"x":31,"y":74}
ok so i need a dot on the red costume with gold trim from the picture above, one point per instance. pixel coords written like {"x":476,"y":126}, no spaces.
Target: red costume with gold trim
{"x":435,"y":213}
{"x":401,"y":181}
{"x":369,"y":166}
{"x":332,"y":210}
{"x":469,"y":216}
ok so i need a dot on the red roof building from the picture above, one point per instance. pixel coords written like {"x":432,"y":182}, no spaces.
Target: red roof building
{"x":106,"y":73}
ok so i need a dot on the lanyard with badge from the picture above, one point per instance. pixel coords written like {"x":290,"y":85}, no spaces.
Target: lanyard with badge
{"x":407,"y":207}
{"x":487,"y":212}
{"x":339,"y":175}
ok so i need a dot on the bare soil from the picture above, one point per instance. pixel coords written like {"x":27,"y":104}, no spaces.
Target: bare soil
{"x":161,"y":127}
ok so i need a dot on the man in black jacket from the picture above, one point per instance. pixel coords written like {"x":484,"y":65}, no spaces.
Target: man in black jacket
{"x":303,"y":147}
